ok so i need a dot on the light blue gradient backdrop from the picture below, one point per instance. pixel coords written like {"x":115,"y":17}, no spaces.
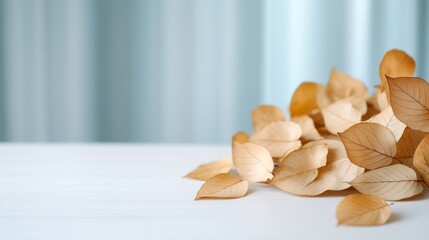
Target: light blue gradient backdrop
{"x":182,"y":70}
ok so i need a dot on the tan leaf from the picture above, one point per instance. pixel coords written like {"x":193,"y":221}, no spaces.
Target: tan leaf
{"x":421,"y":159}
{"x":395,"y":63}
{"x":338,"y":166}
{"x":279,"y":138}
{"x":336,"y":149}
{"x":306,"y":98}
{"x":341,"y":86}
{"x":369,"y":145}
{"x":253,"y":162}
{"x":345,"y":172}
{"x":223,"y":185}
{"x":393,"y":182}
{"x":309,"y":131}
{"x":266,"y":114}
{"x":371,"y":112}
{"x":358,"y":103}
{"x":362,"y":210}
{"x":388,"y":119}
{"x":408,"y":143}
{"x":410,"y":101}
{"x":299,"y":169}
{"x":206,"y":171}
{"x":240,"y":137}
{"x":339,"y":116}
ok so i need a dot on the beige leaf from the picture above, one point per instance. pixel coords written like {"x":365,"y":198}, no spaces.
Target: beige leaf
{"x":341,"y":86}
{"x":307,"y":97}
{"x":395,"y":63}
{"x":362,"y":210}
{"x":240,"y":137}
{"x":339,"y":116}
{"x":279,"y":138}
{"x":223,"y":185}
{"x":410,"y":101}
{"x":393,"y":182}
{"x":338,"y":166}
{"x":253,"y":162}
{"x":309,"y":131}
{"x":369,"y":145}
{"x":336,"y":149}
{"x":333,"y":176}
{"x":299,"y":169}
{"x":421,"y":159}
{"x":206,"y":171}
{"x":388,"y":119}
{"x":265,"y":114}
{"x":344,"y":171}
{"x":358,"y":103}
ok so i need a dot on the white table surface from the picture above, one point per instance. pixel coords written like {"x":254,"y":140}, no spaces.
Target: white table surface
{"x":121,"y":191}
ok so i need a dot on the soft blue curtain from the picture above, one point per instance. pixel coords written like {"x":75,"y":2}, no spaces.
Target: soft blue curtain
{"x":182,"y":70}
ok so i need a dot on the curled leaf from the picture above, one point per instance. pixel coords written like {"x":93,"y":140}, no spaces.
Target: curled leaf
{"x":393,"y":182}
{"x":206,"y":171}
{"x":410,"y":101}
{"x":336,"y":149}
{"x":341,"y":86}
{"x":240,"y":137}
{"x":299,"y":169}
{"x":395,"y":63}
{"x":279,"y":138}
{"x":306,"y":98}
{"x":339,"y":116}
{"x":266,"y":114}
{"x":362,"y":210}
{"x":421,"y":159}
{"x":369,"y":145}
{"x":223,"y":185}
{"x":253,"y":162}
{"x":309,"y":131}
{"x":388,"y":119}
{"x":407,"y":145}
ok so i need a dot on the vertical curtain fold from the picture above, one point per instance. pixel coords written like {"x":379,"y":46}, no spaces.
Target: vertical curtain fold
{"x":183,"y":70}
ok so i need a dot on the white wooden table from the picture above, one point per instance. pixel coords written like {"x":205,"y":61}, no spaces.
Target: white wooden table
{"x":122,"y":191}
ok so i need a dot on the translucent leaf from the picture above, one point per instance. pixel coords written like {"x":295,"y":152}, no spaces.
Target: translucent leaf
{"x":223,"y":185}
{"x":362,"y":210}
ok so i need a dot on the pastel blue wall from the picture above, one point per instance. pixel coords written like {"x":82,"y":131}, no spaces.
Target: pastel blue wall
{"x":182,"y":70}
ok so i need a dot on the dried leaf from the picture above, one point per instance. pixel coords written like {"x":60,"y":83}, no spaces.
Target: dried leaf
{"x":279,"y":138}
{"x":396,"y":63}
{"x":393,"y":182}
{"x":338,"y":166}
{"x":240,"y":137}
{"x":421,"y":159}
{"x":341,"y":86}
{"x":206,"y":171}
{"x":223,"y":185}
{"x":388,"y":119}
{"x":309,"y":131}
{"x":369,"y":145}
{"x":410,"y":101}
{"x":358,"y":103}
{"x":306,"y":98}
{"x":407,"y":144}
{"x":266,"y":114}
{"x":379,"y":100}
{"x":339,"y":116}
{"x":299,"y":169}
{"x":336,"y":149}
{"x":344,"y":171}
{"x":362,"y":210}
{"x":253,"y":162}
{"x":371,"y":112}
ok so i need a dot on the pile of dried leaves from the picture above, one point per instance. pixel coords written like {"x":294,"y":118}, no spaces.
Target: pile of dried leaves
{"x":337,"y":137}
